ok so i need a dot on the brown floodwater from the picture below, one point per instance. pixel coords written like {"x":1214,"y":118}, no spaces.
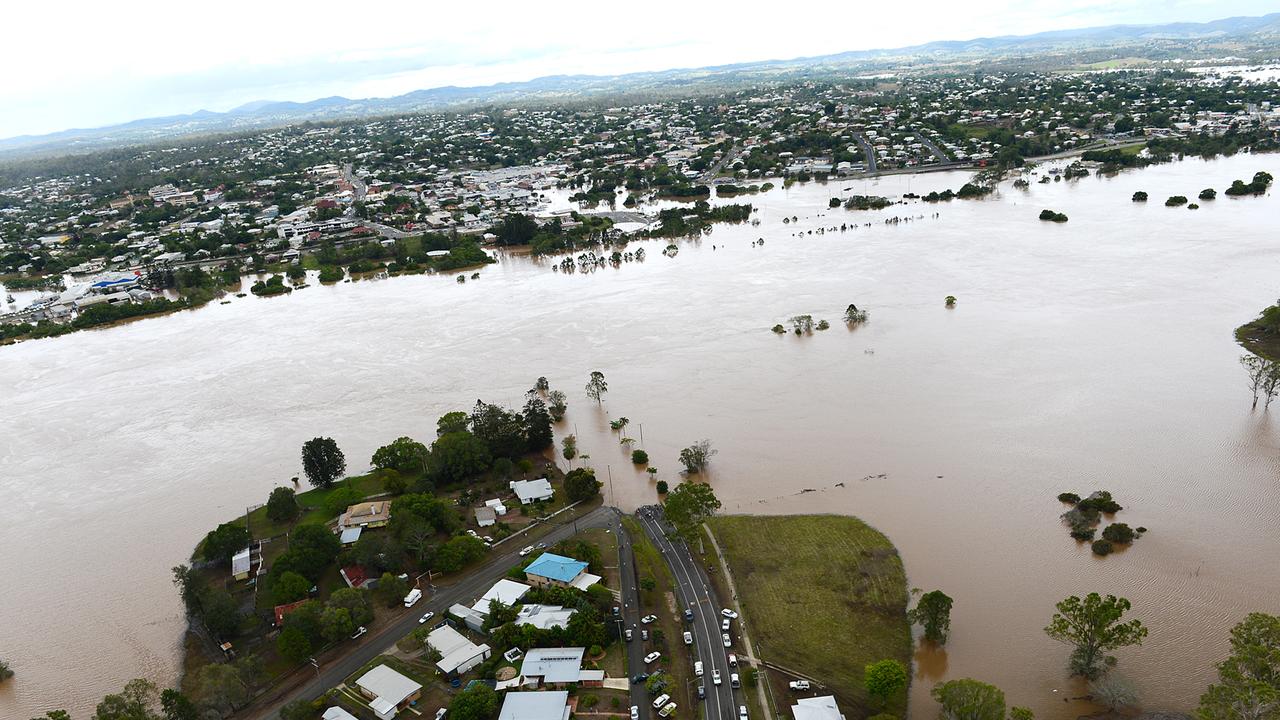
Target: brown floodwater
{"x":1095,"y":354}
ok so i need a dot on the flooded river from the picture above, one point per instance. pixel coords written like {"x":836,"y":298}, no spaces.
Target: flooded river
{"x":1095,"y":354}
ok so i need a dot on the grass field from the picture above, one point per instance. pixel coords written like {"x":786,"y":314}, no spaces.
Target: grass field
{"x":1255,"y":340}
{"x":823,"y":595}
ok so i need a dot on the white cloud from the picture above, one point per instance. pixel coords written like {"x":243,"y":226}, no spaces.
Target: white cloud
{"x":87,"y":63}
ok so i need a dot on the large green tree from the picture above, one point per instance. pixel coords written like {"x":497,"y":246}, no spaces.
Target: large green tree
{"x":288,"y":587}
{"x":1093,"y":625}
{"x":501,"y":430}
{"x":1248,"y":686}
{"x":884,"y":679}
{"x":479,"y":702}
{"x":218,"y":689}
{"x":933,"y":611}
{"x":537,"y":426}
{"x":136,"y":702}
{"x":225,"y":541}
{"x":404,"y":455}
{"x":696,"y":457}
{"x":177,"y":706}
{"x":355,"y":601}
{"x":294,"y":645}
{"x":688,"y":506}
{"x":459,"y":456}
{"x":581,"y":484}
{"x":391,"y":589}
{"x":597,"y":386}
{"x":282,"y":505}
{"x":967,"y":699}
{"x":322,"y":461}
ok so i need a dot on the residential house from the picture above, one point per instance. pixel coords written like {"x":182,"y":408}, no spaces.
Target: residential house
{"x":388,"y":691}
{"x":531,"y":491}
{"x":242,"y":564}
{"x":817,"y":708}
{"x":555,"y":570}
{"x":368,"y":515}
{"x":557,"y":668}
{"x":547,"y":705}
{"x":337,"y":713}
{"x":485,"y":517}
{"x":457,"y":653}
{"x":544,"y":617}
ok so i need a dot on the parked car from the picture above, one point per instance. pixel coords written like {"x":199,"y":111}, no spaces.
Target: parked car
{"x":627,"y":634}
{"x":697,"y":668}
{"x":359,"y":632}
{"x":733,"y":681}
{"x":702,"y":692}
{"x":799,"y":684}
{"x":660,"y":700}
{"x":648,"y":619}
{"x":635,"y":712}
{"x":742,"y":712}
{"x":440,"y":713}
{"x":688,"y":615}
{"x":644,"y":635}
{"x":413,"y":597}
{"x":725,"y":625}
{"x":422,"y":620}
{"x":666,"y":711}
{"x":688,"y":638}
{"x":727,"y":641}
{"x":733,"y":660}
{"x":729,"y":614}
{"x":637,"y":679}
{"x":651,"y":657}
{"x":526,"y":550}
{"x":715,"y":676}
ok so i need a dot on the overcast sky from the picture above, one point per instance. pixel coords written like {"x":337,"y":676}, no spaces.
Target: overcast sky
{"x":91,"y":63}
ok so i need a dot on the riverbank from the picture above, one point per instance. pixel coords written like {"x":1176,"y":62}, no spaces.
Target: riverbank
{"x":1259,"y":341}
{"x":823,"y":596}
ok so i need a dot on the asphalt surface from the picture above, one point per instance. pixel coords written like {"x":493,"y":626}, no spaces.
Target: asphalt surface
{"x":940,"y":156}
{"x":334,"y":670}
{"x":868,"y":151}
{"x":631,"y":616}
{"x":694,"y":591}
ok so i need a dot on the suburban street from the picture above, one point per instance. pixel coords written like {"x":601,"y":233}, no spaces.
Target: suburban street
{"x":334,"y":670}
{"x":695,"y":592}
{"x":631,"y":614}
{"x":937,"y":151}
{"x":868,"y":151}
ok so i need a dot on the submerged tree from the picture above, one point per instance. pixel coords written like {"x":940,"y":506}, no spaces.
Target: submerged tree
{"x":556,"y":405}
{"x":854,"y":316}
{"x":968,"y":699}
{"x":696,"y":456}
{"x":1092,"y":624}
{"x":596,"y":386}
{"x":933,"y":611}
{"x":1248,"y":686}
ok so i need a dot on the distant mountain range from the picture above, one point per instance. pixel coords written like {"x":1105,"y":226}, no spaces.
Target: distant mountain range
{"x":1056,"y":48}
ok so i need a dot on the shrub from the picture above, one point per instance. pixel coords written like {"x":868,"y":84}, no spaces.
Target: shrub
{"x":1101,"y":500}
{"x":1085,"y":534}
{"x":823,"y":324}
{"x":778,"y":329}
{"x":1068,"y":497}
{"x":1118,"y":533}
{"x":1102,"y":547}
{"x":588,"y":701}
{"x":1208,"y":194}
{"x":1140,"y":196}
{"x":1176,"y":200}
{"x":662,"y":487}
{"x":951,"y":301}
{"x":639,"y":457}
{"x":1052,"y":216}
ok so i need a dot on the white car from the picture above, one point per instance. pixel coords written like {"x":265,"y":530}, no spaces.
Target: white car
{"x":697,"y":668}
{"x":715,"y":676}
{"x":635,"y":712}
{"x":651,"y":657}
{"x":627,"y":634}
{"x":359,"y":632}
{"x":426,"y":617}
{"x":742,"y":712}
{"x":688,"y":638}
{"x":729,"y":614}
{"x":727,"y":641}
{"x":660,"y":700}
{"x":725,"y":625}
{"x":733,"y":660}
{"x":799,"y":684}
{"x":666,"y":711}
{"x":527,"y":549}
{"x":440,"y":713}
{"x":648,"y":619}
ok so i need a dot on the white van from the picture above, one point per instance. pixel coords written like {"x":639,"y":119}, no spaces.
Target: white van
{"x":413,"y":597}
{"x":660,"y":700}
{"x":697,"y":668}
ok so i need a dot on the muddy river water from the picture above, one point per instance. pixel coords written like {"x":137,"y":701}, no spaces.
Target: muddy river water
{"x":1095,"y":354}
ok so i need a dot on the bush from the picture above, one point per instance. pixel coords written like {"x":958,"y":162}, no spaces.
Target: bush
{"x":1140,"y":196}
{"x":778,"y":329}
{"x":639,"y":457}
{"x":1176,"y":200}
{"x":1118,"y":533}
{"x":1085,"y":534}
{"x":1052,"y":216}
{"x":594,"y":650}
{"x":1102,"y":547}
{"x":1208,"y":194}
{"x":1068,"y":497}
{"x":282,"y":505}
{"x":588,"y":701}
{"x":662,"y":487}
{"x":1101,"y":501}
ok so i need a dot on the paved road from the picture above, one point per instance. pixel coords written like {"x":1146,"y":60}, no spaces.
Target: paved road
{"x":631,"y":615}
{"x":868,"y":151}
{"x":334,"y":670}
{"x":728,"y":157}
{"x":937,"y":151}
{"x":694,"y":591}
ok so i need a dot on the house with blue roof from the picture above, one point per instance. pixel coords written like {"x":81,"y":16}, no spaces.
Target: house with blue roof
{"x":552,"y":570}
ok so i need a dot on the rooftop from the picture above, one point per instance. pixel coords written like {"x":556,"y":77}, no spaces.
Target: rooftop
{"x":550,"y":705}
{"x":387,"y":684}
{"x":553,"y":665}
{"x":556,"y":567}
